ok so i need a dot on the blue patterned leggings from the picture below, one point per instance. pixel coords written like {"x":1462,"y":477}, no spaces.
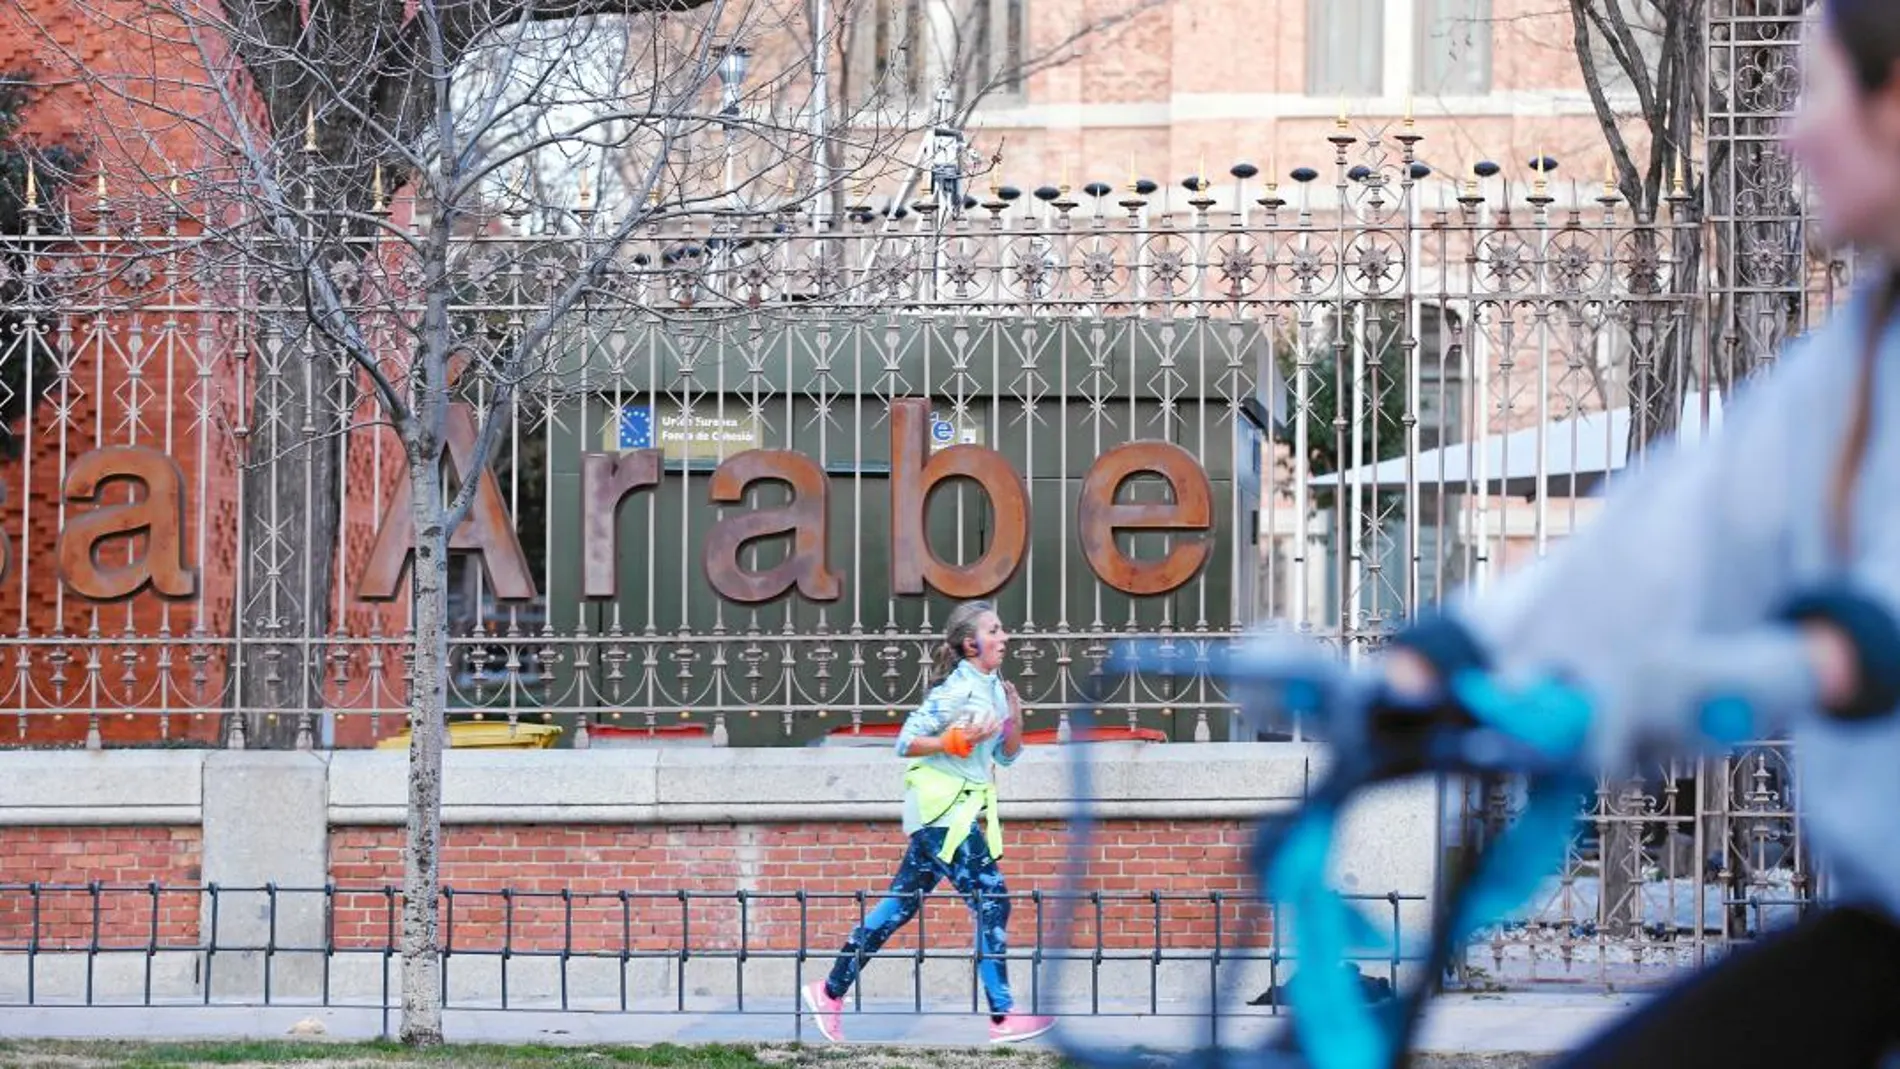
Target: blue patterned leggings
{"x":973,"y":872}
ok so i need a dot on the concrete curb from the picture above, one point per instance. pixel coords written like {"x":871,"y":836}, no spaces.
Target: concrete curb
{"x":1515,"y":1025}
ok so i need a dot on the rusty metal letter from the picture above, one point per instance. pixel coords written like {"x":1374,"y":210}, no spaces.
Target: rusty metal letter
{"x":803,"y":519}
{"x":489,"y":530}
{"x":606,"y":480}
{"x":912,"y":480}
{"x":1098,"y":517}
{"x":159,"y":516}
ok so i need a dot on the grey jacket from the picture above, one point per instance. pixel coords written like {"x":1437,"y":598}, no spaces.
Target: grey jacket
{"x":1708,"y":542}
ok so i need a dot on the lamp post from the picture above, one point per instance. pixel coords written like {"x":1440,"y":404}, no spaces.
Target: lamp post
{"x":946,"y":157}
{"x":733,"y":61}
{"x":820,"y":97}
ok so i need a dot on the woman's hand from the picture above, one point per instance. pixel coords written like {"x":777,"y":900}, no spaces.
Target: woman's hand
{"x":958,"y":741}
{"x":984,"y":731}
{"x":1013,"y":737}
{"x":1410,"y":676}
{"x":1836,"y":663}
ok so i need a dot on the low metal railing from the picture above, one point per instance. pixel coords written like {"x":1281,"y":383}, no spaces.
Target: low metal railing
{"x":274,"y":945}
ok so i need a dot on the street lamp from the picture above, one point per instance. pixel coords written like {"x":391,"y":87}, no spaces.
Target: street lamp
{"x":733,"y":61}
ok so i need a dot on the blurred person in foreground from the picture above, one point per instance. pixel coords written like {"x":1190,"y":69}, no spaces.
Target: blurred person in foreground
{"x":1763,"y":566}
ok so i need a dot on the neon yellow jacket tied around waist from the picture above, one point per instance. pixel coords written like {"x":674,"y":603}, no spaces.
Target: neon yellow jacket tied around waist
{"x":941,"y":794}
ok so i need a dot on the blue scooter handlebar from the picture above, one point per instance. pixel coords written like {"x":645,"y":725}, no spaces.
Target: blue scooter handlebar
{"x":1476,"y":727}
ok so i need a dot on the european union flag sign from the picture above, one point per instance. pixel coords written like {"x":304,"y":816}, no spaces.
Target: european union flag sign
{"x":636,"y":427}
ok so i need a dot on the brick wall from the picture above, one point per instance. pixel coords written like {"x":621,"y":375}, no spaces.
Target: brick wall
{"x":65,"y":861}
{"x":1186,"y":860}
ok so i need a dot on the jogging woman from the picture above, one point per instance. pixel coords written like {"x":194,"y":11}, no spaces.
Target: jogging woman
{"x":970,"y":721}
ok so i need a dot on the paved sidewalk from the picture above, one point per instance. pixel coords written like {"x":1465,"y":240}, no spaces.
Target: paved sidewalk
{"x":1455,"y":1024}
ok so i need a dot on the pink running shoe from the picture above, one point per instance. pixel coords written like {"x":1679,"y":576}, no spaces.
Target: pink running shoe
{"x":1018,"y":1027}
{"x":827,"y":1010}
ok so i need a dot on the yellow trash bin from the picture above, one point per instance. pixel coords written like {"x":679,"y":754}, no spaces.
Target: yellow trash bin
{"x":488,"y":735}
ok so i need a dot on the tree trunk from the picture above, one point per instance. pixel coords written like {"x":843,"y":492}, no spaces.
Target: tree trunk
{"x":421,"y":956}
{"x":292,"y":491}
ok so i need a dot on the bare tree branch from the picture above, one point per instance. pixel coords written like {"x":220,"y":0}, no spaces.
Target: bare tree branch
{"x":1582,"y":18}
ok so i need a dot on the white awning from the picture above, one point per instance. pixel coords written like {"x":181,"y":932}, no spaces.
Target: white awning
{"x":1577,"y":455}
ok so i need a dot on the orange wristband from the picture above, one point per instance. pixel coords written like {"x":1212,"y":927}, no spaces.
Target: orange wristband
{"x":956,"y":743}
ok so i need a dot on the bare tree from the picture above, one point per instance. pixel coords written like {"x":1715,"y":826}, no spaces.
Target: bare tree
{"x":344,"y":196}
{"x":1654,"y":52}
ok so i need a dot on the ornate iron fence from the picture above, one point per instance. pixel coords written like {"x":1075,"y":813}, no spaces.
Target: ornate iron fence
{"x":1272,"y":337}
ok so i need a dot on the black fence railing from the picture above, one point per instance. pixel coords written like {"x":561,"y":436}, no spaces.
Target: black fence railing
{"x":701,"y":951}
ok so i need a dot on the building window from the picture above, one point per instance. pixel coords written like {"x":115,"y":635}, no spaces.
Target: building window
{"x":881,"y":42}
{"x":981,"y":41}
{"x":899,"y":53}
{"x":1453,"y":48}
{"x":990,"y":47}
{"x":913,"y":58}
{"x":886,"y":60}
{"x":1345,"y":47}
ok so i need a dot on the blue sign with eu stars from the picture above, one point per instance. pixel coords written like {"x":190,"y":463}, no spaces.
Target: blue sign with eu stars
{"x":636,"y":427}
